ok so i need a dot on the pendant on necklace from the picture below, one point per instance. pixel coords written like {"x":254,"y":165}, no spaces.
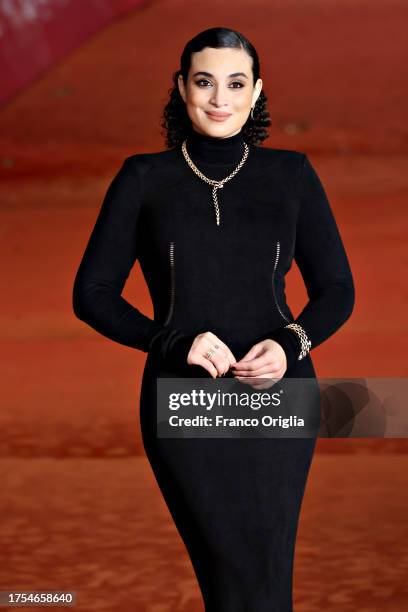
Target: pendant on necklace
{"x":216,"y":184}
{"x":217,"y":209}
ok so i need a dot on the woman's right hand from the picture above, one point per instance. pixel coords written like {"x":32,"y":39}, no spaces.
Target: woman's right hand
{"x":221,"y":359}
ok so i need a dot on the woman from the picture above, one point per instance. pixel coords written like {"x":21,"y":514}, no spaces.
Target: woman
{"x":216,"y":221}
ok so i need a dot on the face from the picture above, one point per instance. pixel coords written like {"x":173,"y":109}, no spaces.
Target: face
{"x":219,"y":92}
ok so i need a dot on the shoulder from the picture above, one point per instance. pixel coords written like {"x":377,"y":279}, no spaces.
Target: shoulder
{"x":150,"y":160}
{"x":144,"y":171}
{"x":274,"y":154}
{"x":281,"y":161}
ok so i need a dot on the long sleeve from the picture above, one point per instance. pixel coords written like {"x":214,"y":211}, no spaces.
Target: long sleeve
{"x":105,"y":266}
{"x":323,"y":263}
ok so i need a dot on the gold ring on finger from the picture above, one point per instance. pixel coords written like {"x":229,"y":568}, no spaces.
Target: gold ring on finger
{"x":209,"y":354}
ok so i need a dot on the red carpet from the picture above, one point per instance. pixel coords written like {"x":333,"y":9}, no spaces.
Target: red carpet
{"x":335,"y":78}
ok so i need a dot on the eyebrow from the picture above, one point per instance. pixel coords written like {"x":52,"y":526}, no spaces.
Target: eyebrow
{"x":208,"y":74}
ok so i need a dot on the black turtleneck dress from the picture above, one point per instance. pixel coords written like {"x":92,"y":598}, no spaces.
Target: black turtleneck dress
{"x":236,"y":502}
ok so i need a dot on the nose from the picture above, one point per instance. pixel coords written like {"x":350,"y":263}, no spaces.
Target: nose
{"x":219,"y":97}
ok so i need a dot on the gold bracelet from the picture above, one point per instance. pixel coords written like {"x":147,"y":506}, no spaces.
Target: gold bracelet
{"x":304,"y":340}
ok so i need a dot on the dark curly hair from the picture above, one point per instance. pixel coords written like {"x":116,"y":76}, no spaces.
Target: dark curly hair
{"x":175,"y":121}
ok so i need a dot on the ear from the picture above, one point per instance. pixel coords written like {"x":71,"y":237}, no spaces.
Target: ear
{"x":257,"y":91}
{"x":181,"y":87}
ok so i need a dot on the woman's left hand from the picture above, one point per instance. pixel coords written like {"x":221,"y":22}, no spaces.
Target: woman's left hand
{"x":265,"y":360}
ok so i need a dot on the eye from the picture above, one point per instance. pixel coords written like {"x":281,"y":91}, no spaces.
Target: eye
{"x":201,"y":81}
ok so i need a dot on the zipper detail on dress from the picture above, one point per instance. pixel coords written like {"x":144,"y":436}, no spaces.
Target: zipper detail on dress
{"x":172,"y":284}
{"x":273,"y":282}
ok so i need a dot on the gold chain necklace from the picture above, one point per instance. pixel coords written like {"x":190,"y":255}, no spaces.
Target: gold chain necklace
{"x":216,"y":184}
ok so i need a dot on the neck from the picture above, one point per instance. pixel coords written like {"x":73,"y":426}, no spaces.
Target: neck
{"x":215,"y":150}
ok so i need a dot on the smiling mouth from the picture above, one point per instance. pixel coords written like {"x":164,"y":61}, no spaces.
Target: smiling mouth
{"x":218,"y":115}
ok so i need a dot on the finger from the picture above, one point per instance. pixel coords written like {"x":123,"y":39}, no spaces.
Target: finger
{"x":258,"y":365}
{"x":252,"y":353}
{"x":231,"y":357}
{"x":268,"y":378}
{"x":221,"y":362}
{"x":262,"y":382}
{"x":206,"y":364}
{"x":258,"y":359}
{"x":223,"y":358}
{"x":219,"y":356}
{"x":272,"y":367}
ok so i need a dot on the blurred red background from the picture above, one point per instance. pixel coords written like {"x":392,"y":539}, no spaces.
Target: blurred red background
{"x":334,"y":74}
